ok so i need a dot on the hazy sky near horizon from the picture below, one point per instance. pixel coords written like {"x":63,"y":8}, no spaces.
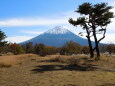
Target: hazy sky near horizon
{"x":25,"y":19}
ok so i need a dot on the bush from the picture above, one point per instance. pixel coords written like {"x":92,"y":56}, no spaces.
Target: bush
{"x":85,"y":50}
{"x":70,"y":48}
{"x":28,"y":47}
{"x":16,"y":49}
{"x":71,"y":60}
{"x":43,"y":50}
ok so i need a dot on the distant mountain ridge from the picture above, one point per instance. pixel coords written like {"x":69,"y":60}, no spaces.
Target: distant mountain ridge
{"x":57,"y":37}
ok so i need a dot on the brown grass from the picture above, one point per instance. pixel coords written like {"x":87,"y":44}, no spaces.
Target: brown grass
{"x":105,"y":62}
{"x":71,"y":60}
{"x":8,"y":61}
{"x":53,"y":70}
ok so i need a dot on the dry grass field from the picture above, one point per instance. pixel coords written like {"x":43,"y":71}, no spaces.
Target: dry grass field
{"x":56,"y":70}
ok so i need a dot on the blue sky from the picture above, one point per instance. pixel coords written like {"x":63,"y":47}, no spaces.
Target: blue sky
{"x":25,"y":19}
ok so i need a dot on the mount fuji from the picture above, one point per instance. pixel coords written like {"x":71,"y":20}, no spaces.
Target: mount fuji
{"x":57,"y":37}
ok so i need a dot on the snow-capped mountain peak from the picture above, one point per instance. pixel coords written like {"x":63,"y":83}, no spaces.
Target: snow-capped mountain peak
{"x":58,"y":30}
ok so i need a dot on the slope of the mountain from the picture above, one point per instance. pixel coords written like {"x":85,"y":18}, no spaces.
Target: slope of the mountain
{"x":57,"y":37}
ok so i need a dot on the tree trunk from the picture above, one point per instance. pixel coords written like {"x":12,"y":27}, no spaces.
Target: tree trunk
{"x":97,"y":50}
{"x":96,"y":45}
{"x":90,"y":45}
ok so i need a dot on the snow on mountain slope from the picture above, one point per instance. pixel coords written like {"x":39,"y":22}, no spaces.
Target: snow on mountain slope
{"x":58,"y":30}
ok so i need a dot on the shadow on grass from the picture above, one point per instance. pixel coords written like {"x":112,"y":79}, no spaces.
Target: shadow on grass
{"x":44,"y":68}
{"x":107,"y":84}
{"x":86,"y":66}
{"x":57,"y":60}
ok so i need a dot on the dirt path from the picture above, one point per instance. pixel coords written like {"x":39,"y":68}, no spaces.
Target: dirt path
{"x":39,"y":72}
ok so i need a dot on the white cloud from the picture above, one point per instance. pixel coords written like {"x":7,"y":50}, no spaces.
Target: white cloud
{"x":109,"y":38}
{"x":32,"y":22}
{"x":61,"y":19}
{"x":18,"y":39}
{"x":32,"y":32}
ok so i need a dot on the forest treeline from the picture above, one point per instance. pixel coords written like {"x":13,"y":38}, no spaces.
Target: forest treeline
{"x":70,"y":48}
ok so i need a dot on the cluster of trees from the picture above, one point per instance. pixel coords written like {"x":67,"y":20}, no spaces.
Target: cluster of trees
{"x":108,"y":48}
{"x":69,"y":48}
{"x":39,"y":49}
{"x":12,"y":48}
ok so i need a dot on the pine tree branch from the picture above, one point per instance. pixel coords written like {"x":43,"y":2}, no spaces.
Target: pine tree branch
{"x":103,"y":35}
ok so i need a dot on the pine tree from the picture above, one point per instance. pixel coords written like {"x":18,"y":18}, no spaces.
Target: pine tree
{"x":94,"y":19}
{"x":2,"y":37}
{"x":2,"y":41}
